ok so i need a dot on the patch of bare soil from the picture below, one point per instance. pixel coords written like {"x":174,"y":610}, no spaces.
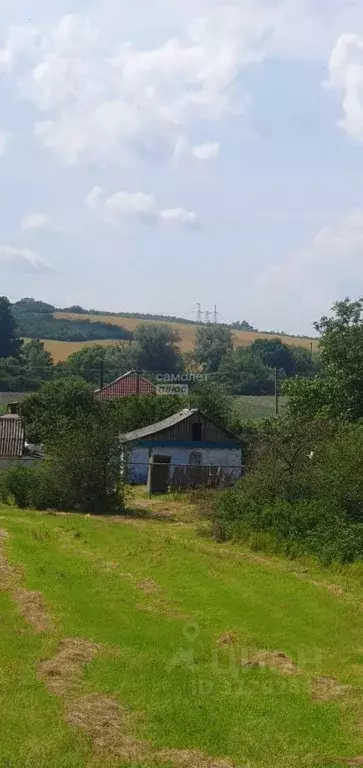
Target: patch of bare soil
{"x":108,"y":726}
{"x":227,"y":639}
{"x":32,"y":609}
{"x":355,"y":761}
{"x":328,"y":689}
{"x":63,"y":672}
{"x":189,"y":758}
{"x":271,"y":660}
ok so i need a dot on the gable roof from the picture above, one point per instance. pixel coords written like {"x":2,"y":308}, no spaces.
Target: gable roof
{"x":11,"y":436}
{"x":125,"y":376}
{"x":159,"y":426}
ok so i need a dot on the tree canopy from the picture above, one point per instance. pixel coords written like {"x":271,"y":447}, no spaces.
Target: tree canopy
{"x":156,"y":348}
{"x":10,"y":343}
{"x":337,"y":390}
{"x":212,"y":343}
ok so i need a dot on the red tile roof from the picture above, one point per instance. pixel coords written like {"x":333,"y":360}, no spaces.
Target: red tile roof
{"x":11,"y":436}
{"x":126,"y":385}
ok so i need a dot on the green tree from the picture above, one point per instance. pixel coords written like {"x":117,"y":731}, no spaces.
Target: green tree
{"x":38,"y":362}
{"x":59,"y":402}
{"x":156,"y":348}
{"x":120,"y":359}
{"x":86,"y":363}
{"x":243,"y":373}
{"x":213,"y":400}
{"x":212,"y":343}
{"x":10,"y":343}
{"x":337,"y":390}
{"x":274,"y":354}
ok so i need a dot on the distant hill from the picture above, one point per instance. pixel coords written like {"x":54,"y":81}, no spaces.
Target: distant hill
{"x":67,"y":330}
{"x":187,"y":330}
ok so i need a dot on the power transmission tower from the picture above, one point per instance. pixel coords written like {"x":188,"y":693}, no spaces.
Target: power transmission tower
{"x":207,"y":317}
{"x":199,"y":313}
{"x":215,"y":315}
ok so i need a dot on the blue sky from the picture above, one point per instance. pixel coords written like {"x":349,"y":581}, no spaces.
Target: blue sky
{"x":153,"y":155}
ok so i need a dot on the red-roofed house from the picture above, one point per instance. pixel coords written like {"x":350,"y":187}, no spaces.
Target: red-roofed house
{"x":131,"y":383}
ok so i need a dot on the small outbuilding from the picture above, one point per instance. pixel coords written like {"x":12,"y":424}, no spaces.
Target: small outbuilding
{"x":131,"y":383}
{"x":186,"y":440}
{"x":14,"y":450}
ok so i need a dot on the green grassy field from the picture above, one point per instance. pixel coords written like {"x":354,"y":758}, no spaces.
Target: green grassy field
{"x":139,"y":643}
{"x":262,"y":407}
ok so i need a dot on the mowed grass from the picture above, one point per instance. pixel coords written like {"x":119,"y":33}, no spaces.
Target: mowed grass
{"x":187,"y":332}
{"x":158,"y":598}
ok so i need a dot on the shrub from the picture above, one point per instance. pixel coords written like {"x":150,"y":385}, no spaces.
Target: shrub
{"x":297,"y":501}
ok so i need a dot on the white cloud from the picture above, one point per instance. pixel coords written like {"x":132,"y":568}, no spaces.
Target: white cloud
{"x":23,"y":259}
{"x":179,"y":217}
{"x":137,"y":206}
{"x":206,"y":151}
{"x":346,"y":76}
{"x":35,"y":221}
{"x":96,"y":198}
{"x":305,"y":287}
{"x":111,"y":102}
{"x":5,"y":141}
{"x":126,"y":205}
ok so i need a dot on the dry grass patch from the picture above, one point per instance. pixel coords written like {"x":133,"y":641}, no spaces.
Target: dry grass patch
{"x":189,"y":758}
{"x":271,"y":660}
{"x":31,"y":604}
{"x":7,"y":572}
{"x":32,"y":609}
{"x":63,"y":672}
{"x":328,"y":689}
{"x":108,"y":726}
{"x":354,"y":761}
{"x":227,"y":639}
{"x":148,"y":586}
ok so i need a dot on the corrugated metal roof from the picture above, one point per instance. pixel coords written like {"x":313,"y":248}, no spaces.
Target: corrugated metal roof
{"x":153,"y":429}
{"x":11,"y":436}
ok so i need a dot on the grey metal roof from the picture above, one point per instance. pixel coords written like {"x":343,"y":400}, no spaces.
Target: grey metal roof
{"x":11,"y":436}
{"x":153,"y":429}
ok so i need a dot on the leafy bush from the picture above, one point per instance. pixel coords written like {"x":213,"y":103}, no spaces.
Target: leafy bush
{"x":302,"y":494}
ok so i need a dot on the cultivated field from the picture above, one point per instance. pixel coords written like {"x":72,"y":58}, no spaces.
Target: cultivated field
{"x":61,"y":350}
{"x":139,"y":644}
{"x":187,"y":332}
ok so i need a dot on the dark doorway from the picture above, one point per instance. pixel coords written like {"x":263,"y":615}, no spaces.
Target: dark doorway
{"x":197,"y":432}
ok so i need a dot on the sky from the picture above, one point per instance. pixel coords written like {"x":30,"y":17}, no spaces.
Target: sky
{"x":158,"y":154}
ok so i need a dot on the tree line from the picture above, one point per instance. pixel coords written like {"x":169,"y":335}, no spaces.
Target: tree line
{"x":153,"y":348}
{"x":35,"y":319}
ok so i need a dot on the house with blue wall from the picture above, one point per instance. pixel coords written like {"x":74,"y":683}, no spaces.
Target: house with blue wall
{"x":188,"y":438}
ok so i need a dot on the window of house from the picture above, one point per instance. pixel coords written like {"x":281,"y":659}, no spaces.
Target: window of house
{"x":195,"y":459}
{"x":197,"y":431}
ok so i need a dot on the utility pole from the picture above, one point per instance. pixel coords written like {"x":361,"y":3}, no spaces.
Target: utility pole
{"x":276,"y":392}
{"x":137,"y":383}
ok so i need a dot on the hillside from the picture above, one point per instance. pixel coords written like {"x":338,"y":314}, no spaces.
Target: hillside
{"x":187,"y":331}
{"x":136,"y":643}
